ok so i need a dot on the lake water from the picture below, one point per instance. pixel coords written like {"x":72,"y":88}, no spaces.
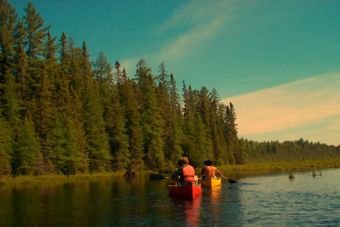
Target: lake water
{"x":272,"y":200}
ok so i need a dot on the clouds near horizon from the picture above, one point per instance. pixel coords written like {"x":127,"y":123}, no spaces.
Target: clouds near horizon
{"x":306,"y":108}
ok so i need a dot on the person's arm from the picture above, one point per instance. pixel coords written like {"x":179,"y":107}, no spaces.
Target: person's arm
{"x":218,"y":171}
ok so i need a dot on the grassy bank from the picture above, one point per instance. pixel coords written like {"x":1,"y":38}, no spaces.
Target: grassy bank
{"x":55,"y":179}
{"x":229,"y":170}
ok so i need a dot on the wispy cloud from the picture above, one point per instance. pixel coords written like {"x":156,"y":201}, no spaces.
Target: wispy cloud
{"x":298,"y":109}
{"x":194,"y":24}
{"x":184,"y":45}
{"x":198,"y":12}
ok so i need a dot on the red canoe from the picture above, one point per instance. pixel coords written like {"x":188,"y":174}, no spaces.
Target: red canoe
{"x":188,"y":191}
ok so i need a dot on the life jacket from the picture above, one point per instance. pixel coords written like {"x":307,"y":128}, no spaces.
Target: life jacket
{"x":188,"y":173}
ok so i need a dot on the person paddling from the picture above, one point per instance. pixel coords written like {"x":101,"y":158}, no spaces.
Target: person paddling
{"x":209,"y":171}
{"x":185,"y":173}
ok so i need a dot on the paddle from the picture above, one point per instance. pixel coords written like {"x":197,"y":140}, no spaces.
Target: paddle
{"x":231,"y":181}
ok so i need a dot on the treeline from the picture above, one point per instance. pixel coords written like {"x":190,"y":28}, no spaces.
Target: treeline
{"x":287,"y":151}
{"x":60,"y":113}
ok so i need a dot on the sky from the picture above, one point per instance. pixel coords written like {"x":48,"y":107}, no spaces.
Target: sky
{"x":277,"y":61}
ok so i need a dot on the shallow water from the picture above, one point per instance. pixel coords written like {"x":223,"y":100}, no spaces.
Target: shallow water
{"x":272,"y":200}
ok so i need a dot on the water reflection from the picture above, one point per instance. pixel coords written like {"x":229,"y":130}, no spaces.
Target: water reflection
{"x":141,"y":202}
{"x":190,"y":208}
{"x":215,"y":194}
{"x":215,"y":200}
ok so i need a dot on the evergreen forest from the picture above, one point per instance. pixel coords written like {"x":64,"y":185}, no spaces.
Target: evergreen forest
{"x":61,"y":112}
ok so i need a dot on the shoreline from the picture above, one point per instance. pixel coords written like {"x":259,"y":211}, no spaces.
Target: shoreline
{"x":232,"y":171}
{"x":265,"y":168}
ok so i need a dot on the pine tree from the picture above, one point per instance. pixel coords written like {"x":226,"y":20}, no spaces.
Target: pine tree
{"x":119,"y":143}
{"x":64,"y":53}
{"x":113,"y":115}
{"x":61,"y":80}
{"x":5,"y":147}
{"x":36,"y":32}
{"x":8,"y":19}
{"x":206,"y":111}
{"x":239,"y":156}
{"x":216,"y":130}
{"x":171,"y":114}
{"x":129,"y":104}
{"x":26,"y":149}
{"x":231,"y":136}
{"x":21,"y":70}
{"x":56,"y":140}
{"x":7,"y":86}
{"x":10,"y":102}
{"x":45,"y":107}
{"x":201,"y":148}
{"x":221,"y":152}
{"x":188,"y":144}
{"x":65,"y":140}
{"x":94,"y":126}
{"x":103,"y":75}
{"x":151,"y":119}
{"x":176,"y":121}
{"x":163,"y":98}
{"x":102,"y":69}
{"x":76,"y":158}
{"x":67,"y":146}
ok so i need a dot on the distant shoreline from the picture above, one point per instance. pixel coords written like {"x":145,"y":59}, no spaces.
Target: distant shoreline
{"x":232,"y":171}
{"x":279,"y":167}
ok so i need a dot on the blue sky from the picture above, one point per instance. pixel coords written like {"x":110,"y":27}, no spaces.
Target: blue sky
{"x":237,"y":47}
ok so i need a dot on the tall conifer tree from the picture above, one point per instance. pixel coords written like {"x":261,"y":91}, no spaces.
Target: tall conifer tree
{"x":36,"y":32}
{"x":171,"y":114}
{"x":26,"y":149}
{"x":151,"y":119}
{"x":21,"y":70}
{"x":96,"y":138}
{"x":6,"y":143}
{"x":128,"y":99}
{"x":8,"y":19}
{"x":231,"y":135}
{"x":8,"y":100}
{"x":45,"y":108}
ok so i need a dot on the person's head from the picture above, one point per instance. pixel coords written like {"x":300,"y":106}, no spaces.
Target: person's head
{"x":183,"y":161}
{"x":208,"y":162}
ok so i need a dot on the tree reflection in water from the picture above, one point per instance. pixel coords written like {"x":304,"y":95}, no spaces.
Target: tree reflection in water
{"x":191,"y":209}
{"x":212,"y":209}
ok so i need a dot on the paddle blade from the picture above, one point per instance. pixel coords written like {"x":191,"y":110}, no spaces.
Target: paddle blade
{"x":231,"y":181}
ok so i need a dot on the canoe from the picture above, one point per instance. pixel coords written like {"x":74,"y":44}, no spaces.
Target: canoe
{"x":211,"y":182}
{"x":187,"y":191}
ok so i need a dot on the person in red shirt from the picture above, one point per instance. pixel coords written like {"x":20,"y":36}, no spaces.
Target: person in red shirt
{"x":185,"y":173}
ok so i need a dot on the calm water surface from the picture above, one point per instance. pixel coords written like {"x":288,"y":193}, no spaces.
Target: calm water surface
{"x":256,"y":201}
